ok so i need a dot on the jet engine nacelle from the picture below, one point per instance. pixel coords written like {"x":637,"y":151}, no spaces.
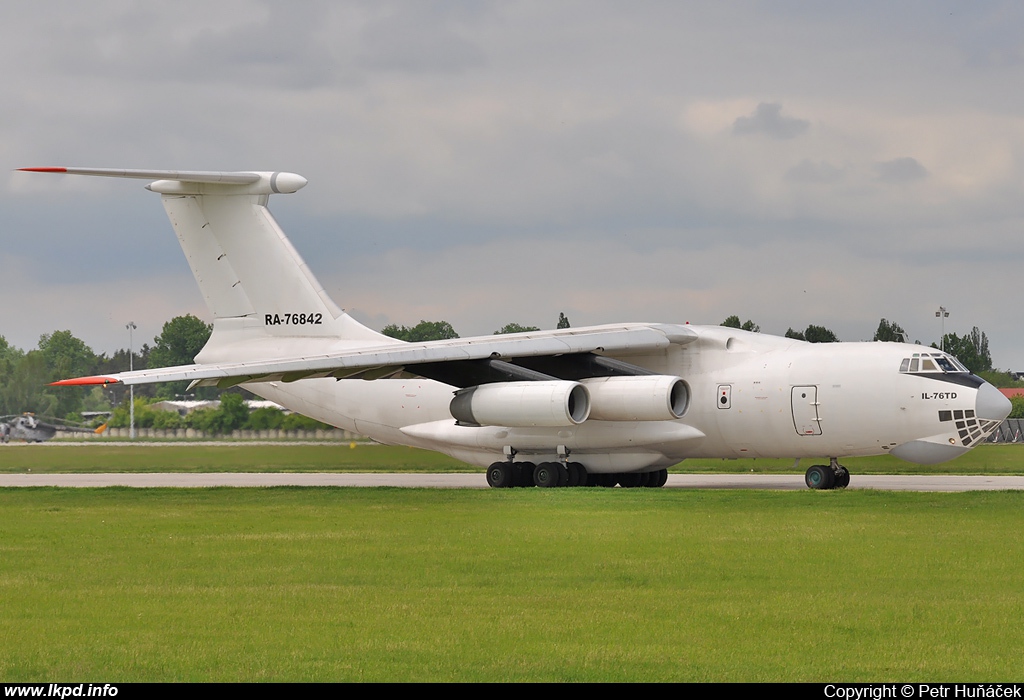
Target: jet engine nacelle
{"x":522,"y":404}
{"x":649,"y":397}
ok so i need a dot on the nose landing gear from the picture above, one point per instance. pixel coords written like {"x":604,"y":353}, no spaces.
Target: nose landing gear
{"x":832,"y":476}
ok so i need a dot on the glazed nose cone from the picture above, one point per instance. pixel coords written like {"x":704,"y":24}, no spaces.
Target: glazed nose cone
{"x":991,"y":404}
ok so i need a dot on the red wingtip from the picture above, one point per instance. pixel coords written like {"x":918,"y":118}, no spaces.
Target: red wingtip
{"x":44,"y":170}
{"x":85,"y":381}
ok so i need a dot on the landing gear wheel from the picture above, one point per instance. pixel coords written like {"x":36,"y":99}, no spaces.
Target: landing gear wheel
{"x":577,"y":474}
{"x":630,"y":480}
{"x":655,"y":480}
{"x":546,"y":475}
{"x":843,"y":478}
{"x":820,"y":477}
{"x":522,"y":474}
{"x":500,"y":475}
{"x":525,"y":473}
{"x":563,"y":474}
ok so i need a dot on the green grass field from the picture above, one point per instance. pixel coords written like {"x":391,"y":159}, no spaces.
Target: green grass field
{"x":227,"y":457}
{"x":573,"y":585}
{"x":283,"y":457}
{"x":542,"y":585}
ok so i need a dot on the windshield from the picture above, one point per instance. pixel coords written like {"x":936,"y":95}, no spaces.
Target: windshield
{"x":931,"y":362}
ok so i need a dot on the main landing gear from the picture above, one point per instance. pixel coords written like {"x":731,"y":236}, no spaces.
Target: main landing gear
{"x":832,"y":476}
{"x":502,"y":475}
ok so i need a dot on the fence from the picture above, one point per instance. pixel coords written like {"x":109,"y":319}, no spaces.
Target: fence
{"x":1010,"y":430}
{"x":191,"y":434}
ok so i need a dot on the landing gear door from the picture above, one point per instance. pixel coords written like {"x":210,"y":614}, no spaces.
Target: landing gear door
{"x":805,"y":410}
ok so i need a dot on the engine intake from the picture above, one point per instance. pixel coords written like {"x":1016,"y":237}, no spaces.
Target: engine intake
{"x":649,"y":397}
{"x":522,"y":404}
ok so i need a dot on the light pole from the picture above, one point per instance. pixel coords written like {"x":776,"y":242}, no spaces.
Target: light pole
{"x":131,"y":387}
{"x":942,"y":313}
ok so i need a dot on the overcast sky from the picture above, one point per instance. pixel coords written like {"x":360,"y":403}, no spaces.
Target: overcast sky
{"x":482,"y":163}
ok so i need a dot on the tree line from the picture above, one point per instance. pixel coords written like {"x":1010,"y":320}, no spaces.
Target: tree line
{"x":24,"y":375}
{"x":971,"y":348}
{"x":425,"y":331}
{"x":231,"y":414}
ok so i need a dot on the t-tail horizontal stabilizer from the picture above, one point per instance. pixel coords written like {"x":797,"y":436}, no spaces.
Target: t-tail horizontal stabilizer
{"x":264,"y":299}
{"x":274,"y":182}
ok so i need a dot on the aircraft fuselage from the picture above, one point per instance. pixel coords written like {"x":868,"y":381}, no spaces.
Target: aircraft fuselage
{"x":751,"y":395}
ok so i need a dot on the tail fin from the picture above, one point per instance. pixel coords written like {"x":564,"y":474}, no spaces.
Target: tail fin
{"x":254,"y":282}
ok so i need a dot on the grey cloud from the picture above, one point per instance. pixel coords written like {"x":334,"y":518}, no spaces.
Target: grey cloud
{"x":767,"y":119}
{"x":283,"y":49}
{"x":267,"y":45}
{"x":808,"y":171}
{"x":991,"y":38}
{"x":400,"y":43}
{"x":436,"y":125}
{"x":900,"y":170}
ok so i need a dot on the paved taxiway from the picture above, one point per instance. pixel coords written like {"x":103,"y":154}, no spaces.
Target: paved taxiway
{"x":775,"y":482}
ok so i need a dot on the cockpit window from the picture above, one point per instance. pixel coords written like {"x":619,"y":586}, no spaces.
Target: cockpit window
{"x":931,"y":362}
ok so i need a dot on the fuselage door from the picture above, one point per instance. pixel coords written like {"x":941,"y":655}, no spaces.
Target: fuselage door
{"x":805,"y":410}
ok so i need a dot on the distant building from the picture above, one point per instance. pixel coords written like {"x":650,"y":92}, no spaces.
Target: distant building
{"x":183,"y":408}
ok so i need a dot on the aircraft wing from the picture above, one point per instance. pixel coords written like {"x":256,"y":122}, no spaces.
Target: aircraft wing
{"x":432,"y":359}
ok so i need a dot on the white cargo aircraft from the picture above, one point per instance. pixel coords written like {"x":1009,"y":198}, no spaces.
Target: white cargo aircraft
{"x":606,"y":404}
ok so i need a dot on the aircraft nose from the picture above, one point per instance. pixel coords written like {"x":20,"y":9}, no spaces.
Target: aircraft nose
{"x":990,"y":404}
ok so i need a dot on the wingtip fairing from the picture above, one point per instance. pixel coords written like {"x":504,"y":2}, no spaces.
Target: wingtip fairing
{"x":86,"y":381}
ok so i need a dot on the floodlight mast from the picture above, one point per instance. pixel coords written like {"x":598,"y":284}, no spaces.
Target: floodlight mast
{"x":943,"y":314}
{"x":131,"y":388}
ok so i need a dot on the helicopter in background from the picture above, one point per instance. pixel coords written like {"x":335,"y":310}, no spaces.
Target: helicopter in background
{"x":27,"y":427}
